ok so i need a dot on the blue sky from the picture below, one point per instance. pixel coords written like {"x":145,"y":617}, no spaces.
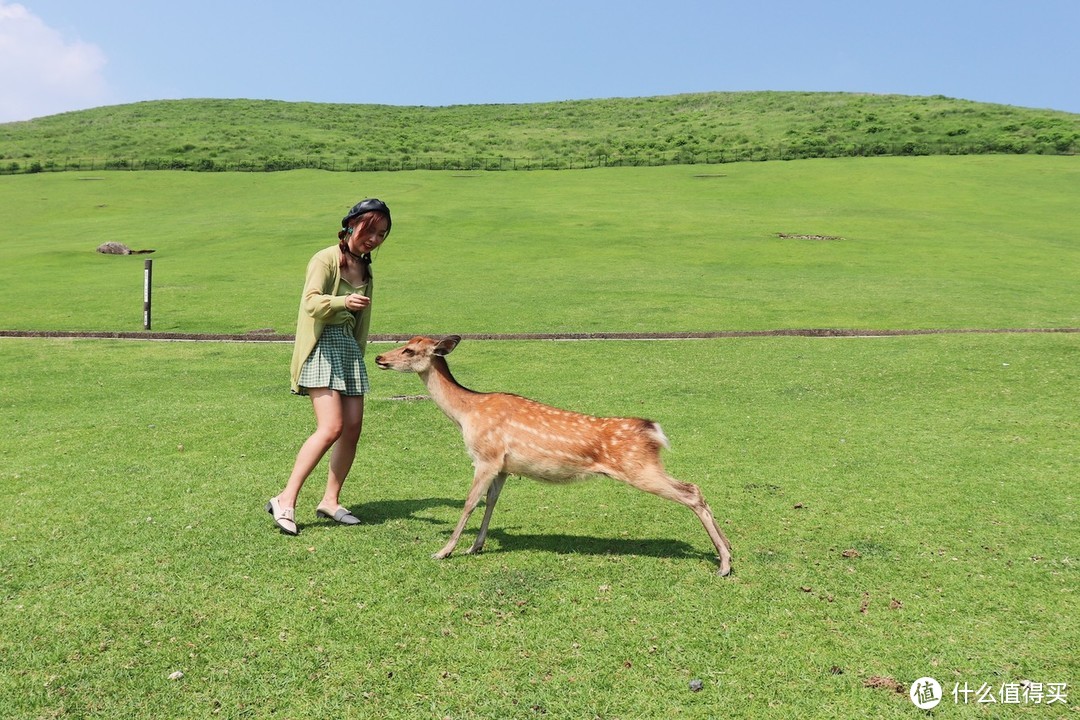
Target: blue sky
{"x":60,"y":55}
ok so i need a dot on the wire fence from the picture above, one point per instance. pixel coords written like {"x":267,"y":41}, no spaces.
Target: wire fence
{"x":505,"y":163}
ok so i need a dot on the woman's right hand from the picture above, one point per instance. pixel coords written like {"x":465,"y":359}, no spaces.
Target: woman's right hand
{"x":356,"y":301}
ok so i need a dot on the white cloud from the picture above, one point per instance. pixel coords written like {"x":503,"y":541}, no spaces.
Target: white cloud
{"x":42,"y":73}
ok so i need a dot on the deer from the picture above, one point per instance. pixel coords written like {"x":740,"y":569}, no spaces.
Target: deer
{"x":507,"y":434}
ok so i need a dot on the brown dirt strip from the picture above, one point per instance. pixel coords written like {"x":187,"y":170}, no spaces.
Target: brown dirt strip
{"x":269,"y":336}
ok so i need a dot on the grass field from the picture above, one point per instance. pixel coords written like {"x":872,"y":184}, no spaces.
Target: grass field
{"x":898,"y":507}
{"x":970,"y":242}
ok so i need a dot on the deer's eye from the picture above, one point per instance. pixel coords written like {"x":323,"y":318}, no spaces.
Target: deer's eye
{"x":408,"y":352}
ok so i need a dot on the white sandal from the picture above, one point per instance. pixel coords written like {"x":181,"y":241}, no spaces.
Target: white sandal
{"x":284,"y":517}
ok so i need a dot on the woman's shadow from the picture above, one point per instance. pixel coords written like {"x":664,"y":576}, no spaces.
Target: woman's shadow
{"x":378,"y":512}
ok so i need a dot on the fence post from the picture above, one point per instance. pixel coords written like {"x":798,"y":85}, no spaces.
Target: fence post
{"x":148,"y":267}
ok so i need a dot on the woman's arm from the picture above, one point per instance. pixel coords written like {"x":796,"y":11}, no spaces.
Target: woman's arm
{"x":318,"y":300}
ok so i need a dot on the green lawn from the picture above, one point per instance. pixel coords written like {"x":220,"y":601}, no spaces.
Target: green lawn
{"x":898,"y":507}
{"x":931,"y":242}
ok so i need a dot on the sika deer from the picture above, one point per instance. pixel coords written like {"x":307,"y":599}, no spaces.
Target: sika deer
{"x":508,"y":434}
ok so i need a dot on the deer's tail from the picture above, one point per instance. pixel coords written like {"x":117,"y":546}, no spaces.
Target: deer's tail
{"x":654,"y":431}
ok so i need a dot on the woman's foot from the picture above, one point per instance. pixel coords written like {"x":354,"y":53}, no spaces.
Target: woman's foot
{"x":339,"y":514}
{"x":285,"y":518}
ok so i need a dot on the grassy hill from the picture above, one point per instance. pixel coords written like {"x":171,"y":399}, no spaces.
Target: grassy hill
{"x":677,"y":129}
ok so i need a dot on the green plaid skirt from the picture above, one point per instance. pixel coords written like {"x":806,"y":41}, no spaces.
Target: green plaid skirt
{"x":335,"y":363}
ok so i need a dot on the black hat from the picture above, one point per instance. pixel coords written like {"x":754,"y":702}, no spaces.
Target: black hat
{"x":366,"y":206}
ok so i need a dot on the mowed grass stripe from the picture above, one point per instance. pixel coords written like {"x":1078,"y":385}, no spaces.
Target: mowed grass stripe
{"x":927,"y":243}
{"x":898,"y":507}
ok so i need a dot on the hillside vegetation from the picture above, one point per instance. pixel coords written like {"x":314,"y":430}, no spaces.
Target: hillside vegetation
{"x":677,"y":129}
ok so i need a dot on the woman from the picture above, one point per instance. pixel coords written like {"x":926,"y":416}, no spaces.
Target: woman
{"x":328,"y":359}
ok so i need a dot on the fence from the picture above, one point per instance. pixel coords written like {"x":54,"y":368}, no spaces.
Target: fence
{"x":500,"y":162}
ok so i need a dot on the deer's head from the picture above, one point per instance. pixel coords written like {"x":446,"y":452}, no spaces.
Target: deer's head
{"x":416,"y":355}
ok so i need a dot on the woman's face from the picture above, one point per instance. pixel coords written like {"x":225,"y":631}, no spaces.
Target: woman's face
{"x":367,"y":234}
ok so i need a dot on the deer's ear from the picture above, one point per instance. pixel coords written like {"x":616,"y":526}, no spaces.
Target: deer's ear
{"x":447,"y":344}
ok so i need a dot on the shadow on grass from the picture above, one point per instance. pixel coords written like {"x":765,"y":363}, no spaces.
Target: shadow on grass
{"x":382,"y":511}
{"x":562,"y":544}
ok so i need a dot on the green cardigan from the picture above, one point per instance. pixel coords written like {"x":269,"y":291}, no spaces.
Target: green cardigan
{"x":320,"y":305}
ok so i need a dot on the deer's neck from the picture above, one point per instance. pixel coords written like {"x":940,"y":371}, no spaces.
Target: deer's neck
{"x":452,"y":397}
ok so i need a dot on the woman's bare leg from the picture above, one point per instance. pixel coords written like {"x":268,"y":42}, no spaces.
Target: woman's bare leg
{"x":329,"y":413}
{"x":341,"y":459}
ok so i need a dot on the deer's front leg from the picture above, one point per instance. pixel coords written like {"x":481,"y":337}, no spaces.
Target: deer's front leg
{"x":482,"y":480}
{"x":489,"y":507}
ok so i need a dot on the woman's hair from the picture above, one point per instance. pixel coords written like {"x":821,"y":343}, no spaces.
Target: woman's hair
{"x":361,"y":223}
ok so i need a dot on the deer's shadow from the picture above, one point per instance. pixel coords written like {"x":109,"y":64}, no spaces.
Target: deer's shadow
{"x":378,"y":512}
{"x":563,"y":544}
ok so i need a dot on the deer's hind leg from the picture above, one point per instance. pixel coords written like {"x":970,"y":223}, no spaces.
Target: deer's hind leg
{"x":654,"y":479}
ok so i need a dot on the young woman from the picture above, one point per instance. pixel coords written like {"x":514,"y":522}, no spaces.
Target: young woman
{"x":328,"y":359}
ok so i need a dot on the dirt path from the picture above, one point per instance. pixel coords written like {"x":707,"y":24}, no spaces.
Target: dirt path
{"x":270,"y":336}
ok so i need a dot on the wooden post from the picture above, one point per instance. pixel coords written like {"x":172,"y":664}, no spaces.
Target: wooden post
{"x":148,"y":271}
